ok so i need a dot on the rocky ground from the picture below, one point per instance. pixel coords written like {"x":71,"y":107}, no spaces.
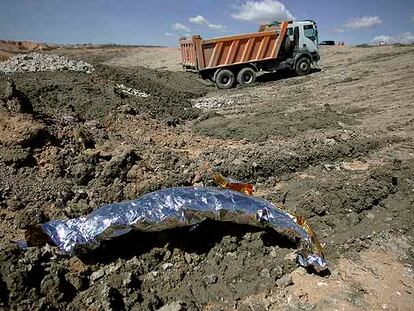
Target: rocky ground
{"x":336,"y":146}
{"x":35,"y":62}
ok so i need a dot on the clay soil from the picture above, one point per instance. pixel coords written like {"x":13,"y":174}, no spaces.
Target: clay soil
{"x":336,"y":145}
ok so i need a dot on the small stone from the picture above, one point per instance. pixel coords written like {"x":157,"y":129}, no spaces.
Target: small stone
{"x":187,"y":257}
{"x":370,"y":216}
{"x":290,"y":256}
{"x":127,"y":279}
{"x":284,"y":281}
{"x":320,"y":210}
{"x":76,"y":281}
{"x":198,"y":177}
{"x":277,"y":272}
{"x":348,"y":79}
{"x":330,"y":141}
{"x":301,"y":271}
{"x":265,"y":273}
{"x":355,"y":166}
{"x":231,"y":254}
{"x":211,"y":278}
{"x":95,"y":276}
{"x":274,"y":253}
{"x":113,"y":268}
{"x":16,"y":100}
{"x":151,"y":276}
{"x":174,"y":306}
{"x":167,"y":255}
{"x":345,"y":136}
{"x":167,"y":266}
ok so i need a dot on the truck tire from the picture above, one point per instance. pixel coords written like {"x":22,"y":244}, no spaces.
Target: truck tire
{"x":225,"y":79}
{"x":303,"y":66}
{"x":246,"y":76}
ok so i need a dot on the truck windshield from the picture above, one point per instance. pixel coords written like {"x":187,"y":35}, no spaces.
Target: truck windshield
{"x":310,"y":32}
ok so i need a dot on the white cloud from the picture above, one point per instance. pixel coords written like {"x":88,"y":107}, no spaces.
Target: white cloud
{"x":405,"y":38}
{"x":201,"y":20}
{"x":364,"y":22}
{"x":262,"y":11}
{"x":216,"y":26}
{"x":180,"y":27}
{"x":169,"y":34}
{"x":338,"y":29}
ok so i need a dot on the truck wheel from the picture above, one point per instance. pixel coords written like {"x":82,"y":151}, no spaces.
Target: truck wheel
{"x":225,"y":79}
{"x":246,"y":76}
{"x":303,"y":66}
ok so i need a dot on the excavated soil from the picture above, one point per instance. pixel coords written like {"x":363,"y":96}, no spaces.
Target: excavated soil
{"x":336,"y":146}
{"x":92,"y":97}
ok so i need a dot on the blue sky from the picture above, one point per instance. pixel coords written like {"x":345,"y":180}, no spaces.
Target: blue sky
{"x":161,"y":22}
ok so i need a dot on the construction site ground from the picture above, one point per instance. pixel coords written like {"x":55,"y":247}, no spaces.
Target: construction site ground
{"x":336,"y":146}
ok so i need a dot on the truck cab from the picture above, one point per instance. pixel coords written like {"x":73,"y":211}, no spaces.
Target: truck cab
{"x":304,"y":36}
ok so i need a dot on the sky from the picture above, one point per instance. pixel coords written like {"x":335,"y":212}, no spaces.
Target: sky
{"x":162,"y":22}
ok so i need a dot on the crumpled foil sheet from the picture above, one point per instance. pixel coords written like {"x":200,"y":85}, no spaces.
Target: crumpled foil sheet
{"x":176,"y":207}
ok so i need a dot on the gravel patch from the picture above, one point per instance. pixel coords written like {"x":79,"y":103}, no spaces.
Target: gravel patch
{"x":219,"y":101}
{"x":43,"y":62}
{"x":131,"y":91}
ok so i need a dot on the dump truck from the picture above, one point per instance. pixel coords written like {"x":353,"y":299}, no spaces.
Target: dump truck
{"x":240,"y":58}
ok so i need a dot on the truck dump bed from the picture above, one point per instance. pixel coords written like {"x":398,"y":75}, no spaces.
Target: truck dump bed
{"x":199,"y":54}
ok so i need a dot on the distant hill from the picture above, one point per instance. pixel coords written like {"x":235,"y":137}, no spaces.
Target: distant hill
{"x":10,"y":47}
{"x":18,"y":46}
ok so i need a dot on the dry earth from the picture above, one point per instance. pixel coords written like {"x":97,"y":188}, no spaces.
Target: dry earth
{"x":9,"y":48}
{"x":338,"y":144}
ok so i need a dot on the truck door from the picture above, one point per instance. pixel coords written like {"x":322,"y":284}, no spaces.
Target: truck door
{"x":309,"y":38}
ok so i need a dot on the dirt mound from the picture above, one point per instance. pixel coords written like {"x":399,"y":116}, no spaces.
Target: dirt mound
{"x":383,"y":202}
{"x":4,"y":56}
{"x":87,"y":97}
{"x":165,"y":83}
{"x":24,"y":46}
{"x":278,"y":158}
{"x":264,"y":125}
{"x":146,"y":271}
{"x":19,"y":130}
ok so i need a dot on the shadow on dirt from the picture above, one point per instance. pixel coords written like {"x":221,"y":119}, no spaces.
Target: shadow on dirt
{"x":199,"y":239}
{"x":281,"y":75}
{"x":4,"y":293}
